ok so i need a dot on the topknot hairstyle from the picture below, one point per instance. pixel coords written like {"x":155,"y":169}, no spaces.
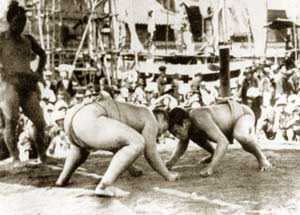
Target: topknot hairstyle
{"x":14,"y":10}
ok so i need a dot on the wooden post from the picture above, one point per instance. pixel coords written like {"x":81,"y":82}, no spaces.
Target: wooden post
{"x":60,"y":23}
{"x":167,"y":30}
{"x":112,"y":41}
{"x":48,"y":38}
{"x":40,"y":16}
{"x":224,"y":55}
{"x":294,"y":30}
{"x":224,"y":74}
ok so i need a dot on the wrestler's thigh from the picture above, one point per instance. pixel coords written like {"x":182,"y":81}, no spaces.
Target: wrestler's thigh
{"x":31,"y":108}
{"x":9,"y":102}
{"x":244,"y":126}
{"x":106,"y":133}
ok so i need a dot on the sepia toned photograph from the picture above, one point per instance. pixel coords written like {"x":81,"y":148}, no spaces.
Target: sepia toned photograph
{"x":149,"y":107}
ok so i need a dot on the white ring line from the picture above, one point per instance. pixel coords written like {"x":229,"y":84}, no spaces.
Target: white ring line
{"x":79,"y":172}
{"x":195,"y":196}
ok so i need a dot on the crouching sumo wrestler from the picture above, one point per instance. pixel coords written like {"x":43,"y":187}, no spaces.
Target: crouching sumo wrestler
{"x":124,"y":129}
{"x":220,"y":124}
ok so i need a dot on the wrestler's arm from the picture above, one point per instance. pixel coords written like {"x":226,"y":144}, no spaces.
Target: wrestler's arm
{"x":204,"y":122}
{"x":37,"y":49}
{"x":178,"y":152}
{"x":151,"y":154}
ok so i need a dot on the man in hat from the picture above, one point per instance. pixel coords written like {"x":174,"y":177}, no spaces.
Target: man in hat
{"x":79,"y":96}
{"x":195,"y":83}
{"x":254,"y":101}
{"x":65,"y":84}
{"x":293,"y":81}
{"x":267,"y":124}
{"x":18,"y":82}
{"x":281,"y":118}
{"x":59,"y":144}
{"x":162,"y":79}
{"x":249,"y":80}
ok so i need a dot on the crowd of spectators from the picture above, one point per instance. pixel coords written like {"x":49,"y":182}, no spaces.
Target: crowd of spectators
{"x":272,"y":91}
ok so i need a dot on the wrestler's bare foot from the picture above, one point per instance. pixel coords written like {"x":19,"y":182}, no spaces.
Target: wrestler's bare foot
{"x":264,"y":166}
{"x":11,"y":161}
{"x":61,"y":184}
{"x":110,"y":192}
{"x":206,"y":159}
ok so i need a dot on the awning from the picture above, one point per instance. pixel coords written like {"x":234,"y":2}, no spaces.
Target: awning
{"x":208,"y":71}
{"x":137,"y":11}
{"x":191,"y":3}
{"x":280,"y":23}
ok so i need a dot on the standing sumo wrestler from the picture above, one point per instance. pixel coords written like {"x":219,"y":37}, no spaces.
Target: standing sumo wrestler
{"x":124,"y":129}
{"x":219,"y":124}
{"x":18,"y":83}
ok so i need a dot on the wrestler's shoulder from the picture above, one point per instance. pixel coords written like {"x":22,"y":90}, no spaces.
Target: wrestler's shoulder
{"x":131,"y":106}
{"x":200,"y":110}
{"x":28,"y":36}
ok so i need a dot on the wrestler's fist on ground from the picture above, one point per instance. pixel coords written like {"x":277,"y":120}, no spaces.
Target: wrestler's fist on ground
{"x":173,"y":176}
{"x":169,"y":165}
{"x":265,"y":166}
{"x":206,"y":172}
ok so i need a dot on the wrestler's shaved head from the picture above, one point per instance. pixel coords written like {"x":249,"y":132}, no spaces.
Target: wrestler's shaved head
{"x":177,"y":116}
{"x":15,"y":10}
{"x":16,"y":17}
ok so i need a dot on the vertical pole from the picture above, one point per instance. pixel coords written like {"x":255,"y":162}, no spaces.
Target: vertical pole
{"x":40,"y":16}
{"x":111,"y":42}
{"x":167,"y":30}
{"x":60,"y":22}
{"x":48,"y":48}
{"x":266,"y":39}
{"x":295,"y":40}
{"x":224,"y":54}
{"x":53,"y":46}
{"x":224,"y":74}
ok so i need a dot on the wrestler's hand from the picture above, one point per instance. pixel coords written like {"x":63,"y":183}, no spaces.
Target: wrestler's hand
{"x":169,"y":165}
{"x":173,"y":176}
{"x":206,"y":172}
{"x":206,"y":159}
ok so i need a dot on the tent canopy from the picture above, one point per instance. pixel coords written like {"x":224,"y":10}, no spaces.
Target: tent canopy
{"x":138,"y":12}
{"x":280,"y":23}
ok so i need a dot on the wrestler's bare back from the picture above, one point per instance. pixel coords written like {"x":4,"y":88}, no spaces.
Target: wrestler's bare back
{"x":214,"y":111}
{"x":106,"y":116}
